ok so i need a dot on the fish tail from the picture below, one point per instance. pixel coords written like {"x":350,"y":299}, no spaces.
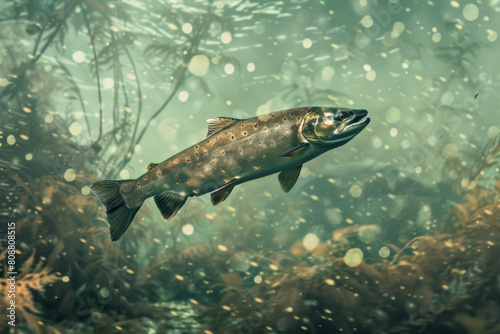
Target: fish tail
{"x":119,"y":215}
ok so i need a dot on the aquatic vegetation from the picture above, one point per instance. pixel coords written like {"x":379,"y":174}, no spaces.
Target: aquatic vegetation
{"x":404,"y":238}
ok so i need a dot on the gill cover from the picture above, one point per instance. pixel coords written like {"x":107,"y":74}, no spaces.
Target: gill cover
{"x":317,"y":126}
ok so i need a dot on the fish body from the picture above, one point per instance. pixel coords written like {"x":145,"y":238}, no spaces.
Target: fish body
{"x":235,"y":151}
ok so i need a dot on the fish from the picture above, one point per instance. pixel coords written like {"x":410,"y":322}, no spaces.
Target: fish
{"x":235,"y":151}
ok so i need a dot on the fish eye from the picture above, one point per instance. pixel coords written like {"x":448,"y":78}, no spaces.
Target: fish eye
{"x":341,"y":116}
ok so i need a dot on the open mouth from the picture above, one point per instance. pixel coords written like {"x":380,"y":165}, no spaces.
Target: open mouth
{"x":359,"y":121}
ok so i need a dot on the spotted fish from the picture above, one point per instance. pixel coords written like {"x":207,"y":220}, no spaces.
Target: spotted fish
{"x":235,"y":151}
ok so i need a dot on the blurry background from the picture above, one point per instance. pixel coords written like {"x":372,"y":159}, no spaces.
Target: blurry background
{"x":394,"y":232}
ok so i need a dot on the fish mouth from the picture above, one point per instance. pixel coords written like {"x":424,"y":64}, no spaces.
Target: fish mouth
{"x":355,"y":123}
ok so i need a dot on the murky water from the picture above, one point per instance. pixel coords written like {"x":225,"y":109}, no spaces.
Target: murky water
{"x":395,"y":232}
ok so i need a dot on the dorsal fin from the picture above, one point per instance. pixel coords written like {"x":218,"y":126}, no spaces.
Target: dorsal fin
{"x":220,"y":194}
{"x":219,"y":123}
{"x":288,"y":178}
{"x":151,"y":165}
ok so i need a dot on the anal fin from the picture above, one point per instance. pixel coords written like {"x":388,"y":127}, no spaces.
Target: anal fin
{"x":294,"y":152}
{"x":169,"y":204}
{"x":287,"y":178}
{"x":220,"y":194}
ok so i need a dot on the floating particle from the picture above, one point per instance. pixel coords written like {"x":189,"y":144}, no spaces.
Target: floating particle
{"x":188,"y":229}
{"x":259,"y":28}
{"x":85,"y":190}
{"x":455,"y":4}
{"x":369,"y":233}
{"x":75,"y":128}
{"x":187,"y":28}
{"x":251,"y":67}
{"x":355,"y":191}
{"x":376,"y":142}
{"x":436,"y":37}
{"x":226,"y":37}
{"x":199,"y":65}
{"x":405,"y":144}
{"x":229,"y":68}
{"x":113,"y":28}
{"x":69,"y":175}
{"x":108,"y":83}
{"x":329,"y":281}
{"x":493,"y":131}
{"x":397,"y":29}
{"x":29,"y":157}
{"x":447,"y":99}
{"x":11,"y":140}
{"x":370,"y":76}
{"x":183,"y":96}
{"x":257,"y":279}
{"x":79,"y":57}
{"x":179,"y":277}
{"x":450,"y":151}
{"x":222,"y":248}
{"x":263,"y":109}
{"x":307,"y":43}
{"x":310,"y":241}
{"x":367,"y":21}
{"x":471,"y":12}
{"x":393,"y":115}
{"x":393,"y":132}
{"x":104,"y":292}
{"x":384,"y":252}
{"x":327,"y":73}
{"x":492,"y":35}
{"x":124,"y":174}
{"x":353,"y":257}
{"x":65,"y":279}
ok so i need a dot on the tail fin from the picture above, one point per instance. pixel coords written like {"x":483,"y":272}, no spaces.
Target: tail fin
{"x":119,"y":215}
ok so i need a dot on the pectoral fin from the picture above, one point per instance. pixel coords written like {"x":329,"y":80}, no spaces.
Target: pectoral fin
{"x":219,"y":123}
{"x":287,"y":178}
{"x":294,"y":152}
{"x":169,"y":204}
{"x":220,"y":194}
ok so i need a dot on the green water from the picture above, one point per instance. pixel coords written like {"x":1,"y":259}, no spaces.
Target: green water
{"x":395,"y":232}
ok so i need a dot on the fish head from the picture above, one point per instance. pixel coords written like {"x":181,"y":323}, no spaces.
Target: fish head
{"x":333,"y":127}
